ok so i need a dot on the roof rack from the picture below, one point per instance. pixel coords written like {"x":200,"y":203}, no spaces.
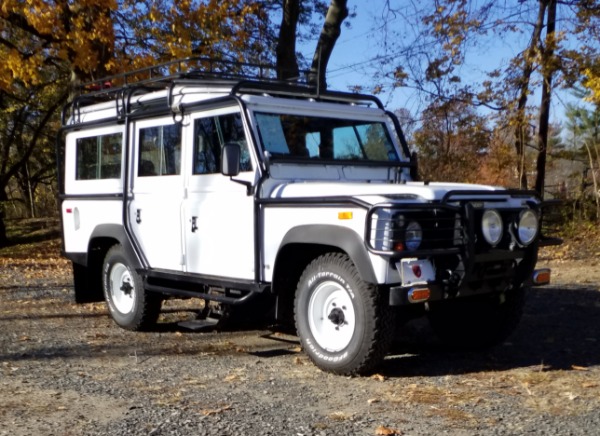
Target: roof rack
{"x":186,"y":68}
{"x":242,"y":77}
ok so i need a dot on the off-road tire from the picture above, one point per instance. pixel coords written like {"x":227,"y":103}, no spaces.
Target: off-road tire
{"x":129,"y":304}
{"x":331,"y":294}
{"x":477,"y":322}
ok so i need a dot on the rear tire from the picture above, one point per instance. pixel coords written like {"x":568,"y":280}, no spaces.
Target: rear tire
{"x":345,"y":324}
{"x":479,"y":322}
{"x":129,"y":304}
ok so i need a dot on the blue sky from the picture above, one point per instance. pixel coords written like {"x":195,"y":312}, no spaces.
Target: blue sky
{"x":352,"y":58}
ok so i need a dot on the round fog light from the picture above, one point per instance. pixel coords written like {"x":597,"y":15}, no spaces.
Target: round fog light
{"x":413,"y":236}
{"x":528,"y":226}
{"x":491,"y":227}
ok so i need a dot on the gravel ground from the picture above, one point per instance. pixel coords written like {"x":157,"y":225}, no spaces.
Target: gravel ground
{"x":67,"y":369}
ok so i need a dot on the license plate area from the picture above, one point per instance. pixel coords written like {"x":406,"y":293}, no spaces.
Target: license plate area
{"x":415,"y":271}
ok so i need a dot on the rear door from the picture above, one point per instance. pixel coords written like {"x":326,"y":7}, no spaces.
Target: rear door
{"x":157,"y":188}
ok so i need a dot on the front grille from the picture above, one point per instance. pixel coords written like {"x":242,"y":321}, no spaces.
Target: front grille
{"x":441,"y":228}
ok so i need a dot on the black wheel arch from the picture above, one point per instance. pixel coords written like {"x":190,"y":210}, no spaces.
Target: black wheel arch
{"x":87,"y":267}
{"x":300,"y":246}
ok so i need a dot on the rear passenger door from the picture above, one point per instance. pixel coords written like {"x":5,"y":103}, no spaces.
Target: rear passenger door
{"x":157,"y":188}
{"x":218,"y":213}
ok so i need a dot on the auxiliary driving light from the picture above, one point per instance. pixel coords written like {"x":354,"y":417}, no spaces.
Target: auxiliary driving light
{"x":528,"y":226}
{"x":491,"y":227}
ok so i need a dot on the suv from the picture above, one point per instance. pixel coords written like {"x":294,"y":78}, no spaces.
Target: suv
{"x":256,"y":194}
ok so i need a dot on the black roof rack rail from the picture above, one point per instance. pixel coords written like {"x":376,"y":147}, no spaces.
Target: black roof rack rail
{"x":185,"y":68}
{"x":241,"y":77}
{"x":301,"y":90}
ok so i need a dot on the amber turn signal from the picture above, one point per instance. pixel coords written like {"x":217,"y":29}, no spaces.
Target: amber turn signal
{"x":418,"y":295}
{"x":541,"y":276}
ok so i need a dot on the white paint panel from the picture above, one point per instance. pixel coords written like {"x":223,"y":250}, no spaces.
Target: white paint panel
{"x":81,"y":217}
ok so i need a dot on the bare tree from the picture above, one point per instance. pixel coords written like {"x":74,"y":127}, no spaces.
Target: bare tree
{"x":336,"y":14}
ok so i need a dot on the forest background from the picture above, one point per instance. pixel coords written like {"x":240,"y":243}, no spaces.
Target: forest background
{"x":480,"y":117}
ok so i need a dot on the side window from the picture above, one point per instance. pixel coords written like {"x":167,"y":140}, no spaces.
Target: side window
{"x":160,"y":151}
{"x":99,"y":157}
{"x":209,"y":136}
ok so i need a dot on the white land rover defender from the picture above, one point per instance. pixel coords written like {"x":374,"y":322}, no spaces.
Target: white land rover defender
{"x":242,"y":190}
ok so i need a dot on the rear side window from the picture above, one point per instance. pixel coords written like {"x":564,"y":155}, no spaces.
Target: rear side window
{"x":160,"y":151}
{"x":99,"y":157}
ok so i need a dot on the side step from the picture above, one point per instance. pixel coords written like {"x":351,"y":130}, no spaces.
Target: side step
{"x":199,"y":324}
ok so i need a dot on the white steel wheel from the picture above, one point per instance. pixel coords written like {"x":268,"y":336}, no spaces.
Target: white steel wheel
{"x":345,"y":324}
{"x":331,"y":316}
{"x":129,"y":305}
{"x":121,"y":288}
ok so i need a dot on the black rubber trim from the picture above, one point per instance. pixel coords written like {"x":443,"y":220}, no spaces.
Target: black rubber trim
{"x":340,"y":237}
{"x":117,"y":231}
{"x":94,"y":197}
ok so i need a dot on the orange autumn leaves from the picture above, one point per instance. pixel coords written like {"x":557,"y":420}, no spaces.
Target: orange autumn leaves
{"x":42,"y":41}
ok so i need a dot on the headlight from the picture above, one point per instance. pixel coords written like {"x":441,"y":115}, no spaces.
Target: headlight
{"x":528,"y":226}
{"x":413,"y":236}
{"x":491,"y":227}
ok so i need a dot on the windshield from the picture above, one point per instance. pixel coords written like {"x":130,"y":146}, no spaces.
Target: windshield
{"x":320,"y":138}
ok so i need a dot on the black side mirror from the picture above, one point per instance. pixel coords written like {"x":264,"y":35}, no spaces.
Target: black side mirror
{"x":230,"y":159}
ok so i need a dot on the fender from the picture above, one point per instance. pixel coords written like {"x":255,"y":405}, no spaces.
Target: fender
{"x":343,"y":238}
{"x":116,"y":231}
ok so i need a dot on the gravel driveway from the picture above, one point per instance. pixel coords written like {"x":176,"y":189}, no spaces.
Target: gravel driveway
{"x":67,"y":369}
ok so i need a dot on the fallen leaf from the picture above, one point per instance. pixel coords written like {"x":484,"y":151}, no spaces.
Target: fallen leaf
{"x":579,"y":368}
{"x":386,"y":431}
{"x":339,"y":416}
{"x":378,"y":377}
{"x":208,"y":412}
{"x":373,"y":400}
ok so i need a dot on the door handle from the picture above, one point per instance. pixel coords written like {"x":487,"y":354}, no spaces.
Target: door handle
{"x":194,"y":224}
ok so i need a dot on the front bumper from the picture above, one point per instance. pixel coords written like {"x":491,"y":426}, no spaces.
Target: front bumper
{"x":463,"y":263}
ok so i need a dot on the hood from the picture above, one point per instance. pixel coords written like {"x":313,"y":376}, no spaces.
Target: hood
{"x":374,"y":192}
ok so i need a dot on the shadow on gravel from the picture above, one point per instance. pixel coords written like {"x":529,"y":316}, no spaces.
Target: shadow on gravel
{"x":144,"y":346}
{"x":560,"y":328}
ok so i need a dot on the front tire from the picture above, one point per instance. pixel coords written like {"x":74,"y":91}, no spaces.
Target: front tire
{"x":129,"y":305}
{"x":477,"y":322}
{"x":345,"y":324}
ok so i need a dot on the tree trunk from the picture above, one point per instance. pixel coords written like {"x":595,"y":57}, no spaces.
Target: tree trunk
{"x":548,"y":69}
{"x":336,"y":14}
{"x":287,"y":62}
{"x":3,"y":235}
{"x":594,"y":181}
{"x":521,"y":121}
